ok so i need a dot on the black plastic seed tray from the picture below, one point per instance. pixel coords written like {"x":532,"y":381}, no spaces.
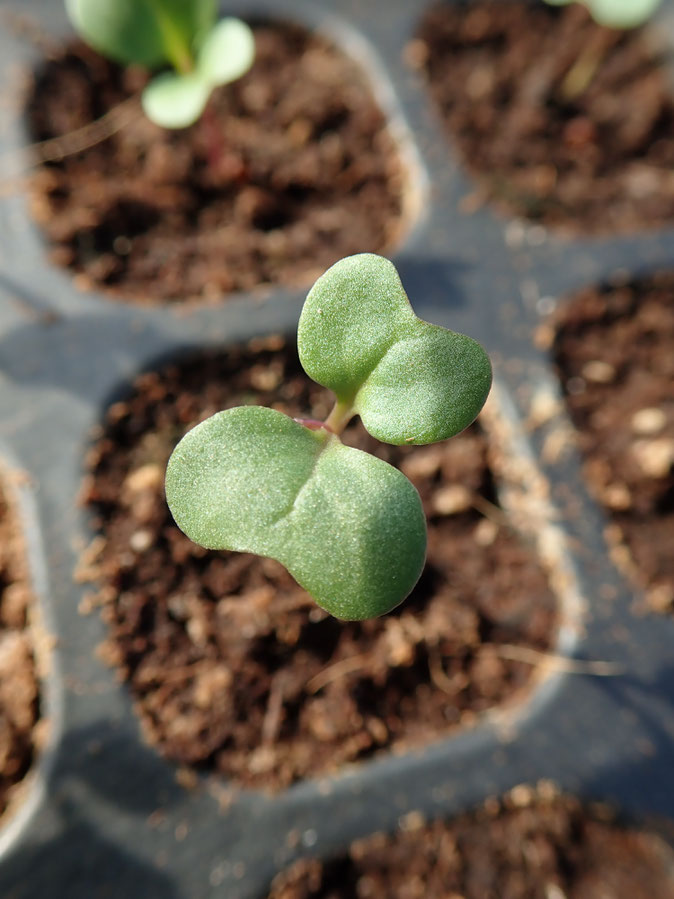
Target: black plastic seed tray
{"x":105,"y":815}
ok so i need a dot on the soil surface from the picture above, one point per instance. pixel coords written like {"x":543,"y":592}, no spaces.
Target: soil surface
{"x":289,"y":169}
{"x":232,"y":664}
{"x":527,"y":846}
{"x":613,"y":350}
{"x":562,"y":122}
{"x":18,"y":679}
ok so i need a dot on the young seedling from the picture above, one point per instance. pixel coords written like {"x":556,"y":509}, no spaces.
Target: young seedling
{"x":349,"y":527}
{"x":181,"y":34}
{"x":613,"y":14}
{"x":616,"y":13}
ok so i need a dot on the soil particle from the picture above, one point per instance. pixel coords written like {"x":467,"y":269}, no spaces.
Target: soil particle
{"x":233,"y":666}
{"x":289,"y":169}
{"x":625,"y":418}
{"x":18,"y":679}
{"x":526,"y":846}
{"x":561,"y":121}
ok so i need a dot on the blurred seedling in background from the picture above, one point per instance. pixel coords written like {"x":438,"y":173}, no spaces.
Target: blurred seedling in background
{"x":616,"y":13}
{"x":349,"y":527}
{"x":183,"y":36}
{"x":612,"y":14}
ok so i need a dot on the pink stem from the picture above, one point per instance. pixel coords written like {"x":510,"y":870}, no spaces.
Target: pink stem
{"x":214,"y":138}
{"x":313,"y":424}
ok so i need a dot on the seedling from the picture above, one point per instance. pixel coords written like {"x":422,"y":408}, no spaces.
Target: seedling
{"x":183,"y":34}
{"x":616,"y":13}
{"x":349,"y":527}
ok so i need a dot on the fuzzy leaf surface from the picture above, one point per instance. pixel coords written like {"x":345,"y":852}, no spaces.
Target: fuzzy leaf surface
{"x":410,"y":381}
{"x":349,"y":527}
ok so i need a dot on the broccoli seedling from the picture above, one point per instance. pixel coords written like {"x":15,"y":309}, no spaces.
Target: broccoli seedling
{"x":616,"y":13}
{"x":183,"y":34}
{"x":349,"y":527}
{"x":613,"y":15}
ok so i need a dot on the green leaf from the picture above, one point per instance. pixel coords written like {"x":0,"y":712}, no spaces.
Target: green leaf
{"x":203,"y":19}
{"x":349,"y":527}
{"x":175,"y":101}
{"x":410,"y":381}
{"x":147,"y":32}
{"x":622,"y":13}
{"x":227,"y":52}
{"x":617,"y":13}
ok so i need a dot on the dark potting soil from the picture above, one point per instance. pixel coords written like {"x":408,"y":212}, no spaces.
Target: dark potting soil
{"x":531,"y":845}
{"x":232,"y":665}
{"x":614,"y":354}
{"x":595,"y":155}
{"x":18,"y":679}
{"x":289,"y":169}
